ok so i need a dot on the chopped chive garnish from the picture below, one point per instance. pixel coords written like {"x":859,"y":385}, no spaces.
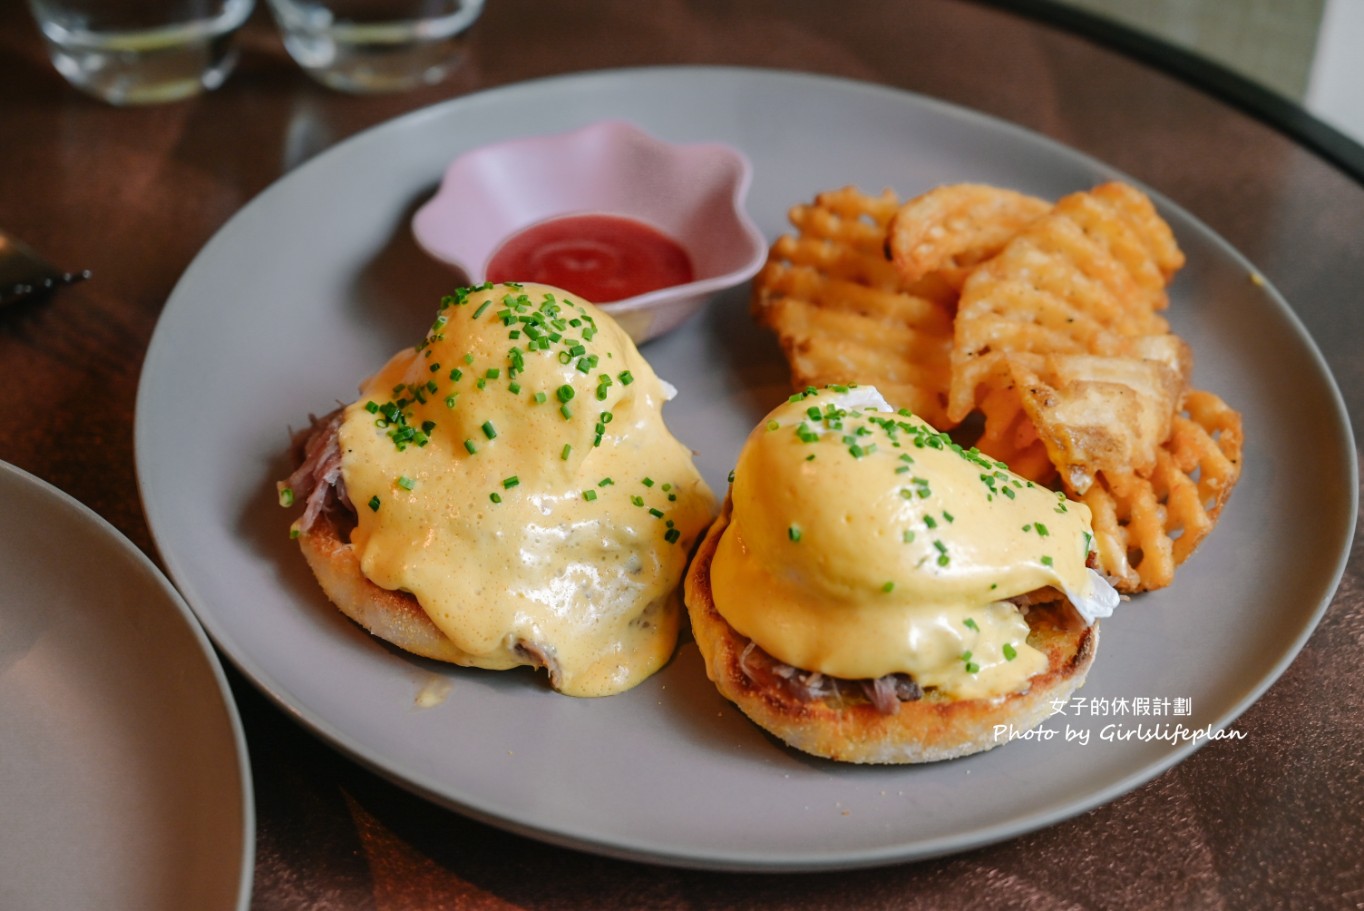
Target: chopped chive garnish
{"x":286,"y":496}
{"x":509,"y":483}
{"x":563,"y":454}
{"x":888,"y":587}
{"x":793,"y":533}
{"x":564,"y":392}
{"x":482,"y":307}
{"x":671,"y":535}
{"x":970,"y":624}
{"x":406,"y":483}
{"x":495,"y":497}
{"x":626,"y":377}
{"x":589,"y":495}
{"x":374,"y":503}
{"x":489,"y":430}
{"x":469,"y":445}
{"x":1010,"y":653}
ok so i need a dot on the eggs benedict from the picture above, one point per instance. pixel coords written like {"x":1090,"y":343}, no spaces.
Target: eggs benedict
{"x":506,"y":493}
{"x":873,"y":592}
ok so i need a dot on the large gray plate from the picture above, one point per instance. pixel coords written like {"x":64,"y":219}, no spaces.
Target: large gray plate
{"x":316,"y":282}
{"x":124,"y":781}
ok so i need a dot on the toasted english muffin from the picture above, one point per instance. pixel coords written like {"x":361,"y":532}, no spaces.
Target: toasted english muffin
{"x":843,"y":725}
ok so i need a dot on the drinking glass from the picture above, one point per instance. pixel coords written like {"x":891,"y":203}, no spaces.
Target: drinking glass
{"x":141,"y":51}
{"x":376,"y":45}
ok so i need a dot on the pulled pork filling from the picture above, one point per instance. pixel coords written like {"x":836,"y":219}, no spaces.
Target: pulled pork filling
{"x":884,"y":693}
{"x":317,"y":479}
{"x":540,"y":656}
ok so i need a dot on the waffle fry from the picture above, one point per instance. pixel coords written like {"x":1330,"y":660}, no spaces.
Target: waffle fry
{"x":1077,"y":281}
{"x":952,"y":229}
{"x":1123,"y":219}
{"x":1146,"y":526}
{"x":843,"y":314}
{"x":1094,"y":413}
{"x":1008,"y":434}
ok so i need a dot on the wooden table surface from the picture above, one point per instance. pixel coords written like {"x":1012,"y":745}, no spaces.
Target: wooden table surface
{"x":1274,"y":820}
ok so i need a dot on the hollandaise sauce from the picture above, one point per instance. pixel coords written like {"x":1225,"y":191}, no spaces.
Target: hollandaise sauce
{"x":863,"y":542}
{"x":514,"y":473}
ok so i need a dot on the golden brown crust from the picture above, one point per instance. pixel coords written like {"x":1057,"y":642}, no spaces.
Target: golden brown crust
{"x":923,"y":730}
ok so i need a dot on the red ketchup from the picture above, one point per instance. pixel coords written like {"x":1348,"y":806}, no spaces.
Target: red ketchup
{"x":603,"y":258}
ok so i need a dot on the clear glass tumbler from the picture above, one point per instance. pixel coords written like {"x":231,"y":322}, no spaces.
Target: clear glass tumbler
{"x":141,"y":51}
{"x":376,"y":45}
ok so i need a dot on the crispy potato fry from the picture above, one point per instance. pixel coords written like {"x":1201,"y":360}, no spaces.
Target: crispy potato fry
{"x":1096,"y":413}
{"x":953,"y":228}
{"x":1127,"y":224}
{"x":1009,"y":435}
{"x":1146,"y":526}
{"x":843,"y":314}
{"x":1074,"y":281}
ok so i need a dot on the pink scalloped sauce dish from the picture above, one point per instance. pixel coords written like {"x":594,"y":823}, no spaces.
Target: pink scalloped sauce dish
{"x":647,"y":229}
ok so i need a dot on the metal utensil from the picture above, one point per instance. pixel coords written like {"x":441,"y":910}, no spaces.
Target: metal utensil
{"x":25,"y":274}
